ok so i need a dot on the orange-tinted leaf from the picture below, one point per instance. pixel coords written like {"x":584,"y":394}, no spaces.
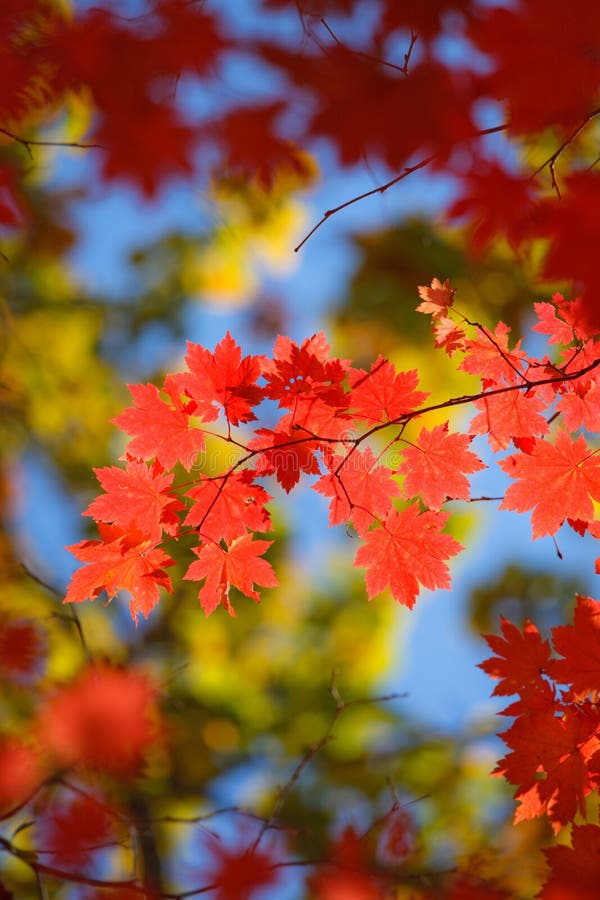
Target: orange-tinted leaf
{"x":489,"y":357}
{"x":122,"y":560}
{"x":105,"y":720}
{"x":579,"y":645}
{"x":557,"y":481}
{"x":240,"y":565}
{"x":160,"y":429}
{"x":409,"y":550}
{"x":137,"y":497}
{"x":510,"y":416}
{"x":435,"y":467}
{"x":228,"y":506}
{"x":360,"y":489}
{"x":222,"y":378}
{"x":437,"y":299}
{"x":382,"y":394}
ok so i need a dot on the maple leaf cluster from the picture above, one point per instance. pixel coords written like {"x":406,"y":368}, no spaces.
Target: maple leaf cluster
{"x":554,"y":741}
{"x":328,"y":411}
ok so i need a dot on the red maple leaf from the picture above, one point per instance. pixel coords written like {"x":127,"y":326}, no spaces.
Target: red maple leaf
{"x":437,"y":298}
{"x":579,"y":645}
{"x":495,"y":202}
{"x":121,"y":560}
{"x":238,"y":565}
{"x":510,"y":416}
{"x":558,"y":748}
{"x":20,"y":773}
{"x":22,"y":649}
{"x":71,"y":832}
{"x":557,"y":481}
{"x":305,"y":373}
{"x":382,"y":394}
{"x":252,"y":146}
{"x":489,"y":357}
{"x":238,"y":873}
{"x":229,"y":505}
{"x":521,"y":660}
{"x":285,"y":454}
{"x":564,"y":321}
{"x":407,"y":551}
{"x":106,"y":719}
{"x":519,"y":44}
{"x":160,"y":429}
{"x":222,"y":378}
{"x":449,"y":335}
{"x":146,"y":146}
{"x":360,"y":489}
{"x":138,"y":496}
{"x":348,"y":876}
{"x":579,"y":406}
{"x":434,"y":467}
{"x":570,"y":225}
{"x":574,"y":869}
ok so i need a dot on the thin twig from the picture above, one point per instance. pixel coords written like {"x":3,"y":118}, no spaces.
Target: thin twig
{"x":551,"y":161}
{"x":403,"y":69}
{"x":28,"y":143}
{"x":408,"y":170}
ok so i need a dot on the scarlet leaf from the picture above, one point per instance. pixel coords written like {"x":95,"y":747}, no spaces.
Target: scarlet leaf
{"x":122,"y":560}
{"x":138,"y":496}
{"x":20,"y":773}
{"x":239,"y":565}
{"x":408,"y":550}
{"x":579,"y":644}
{"x":305,"y":373}
{"x":434,"y":467}
{"x":521,"y":660}
{"x":73,"y":831}
{"x":105,"y":720}
{"x":382,"y":394}
{"x":489,"y":357}
{"x":228,"y":506}
{"x":238,"y":872}
{"x":564,"y":321}
{"x":510,"y":416}
{"x":557,"y":481}
{"x":559,"y":748}
{"x":160,"y":430}
{"x":222,"y":378}
{"x":21,"y":649}
{"x":574,"y":870}
{"x":360,"y":490}
{"x":286,"y":455}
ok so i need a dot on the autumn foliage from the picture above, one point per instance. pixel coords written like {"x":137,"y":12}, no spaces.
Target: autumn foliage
{"x":502,"y":102}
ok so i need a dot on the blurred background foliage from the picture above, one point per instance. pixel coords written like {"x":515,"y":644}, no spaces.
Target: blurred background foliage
{"x":245,"y":698}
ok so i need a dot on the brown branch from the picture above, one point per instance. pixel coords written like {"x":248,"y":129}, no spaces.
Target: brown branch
{"x":64,"y":876}
{"x":28,"y":143}
{"x":403,"y":69}
{"x":551,"y":161}
{"x":408,"y":170}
